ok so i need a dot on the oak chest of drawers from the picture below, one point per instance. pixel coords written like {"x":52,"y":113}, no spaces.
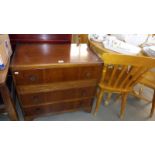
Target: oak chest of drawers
{"x":53,"y":78}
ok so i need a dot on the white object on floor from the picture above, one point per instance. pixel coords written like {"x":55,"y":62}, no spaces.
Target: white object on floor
{"x":112,"y":43}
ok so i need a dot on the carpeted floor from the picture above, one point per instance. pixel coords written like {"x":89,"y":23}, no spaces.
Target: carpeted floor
{"x":136,"y":110}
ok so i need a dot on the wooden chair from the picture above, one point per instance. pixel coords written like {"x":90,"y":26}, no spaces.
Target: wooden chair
{"x":148,"y":80}
{"x":120,"y":74}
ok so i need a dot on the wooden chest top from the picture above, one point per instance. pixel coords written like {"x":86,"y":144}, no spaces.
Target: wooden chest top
{"x":44,"y":55}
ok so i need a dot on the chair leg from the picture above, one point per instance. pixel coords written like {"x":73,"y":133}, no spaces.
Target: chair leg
{"x":108,"y":99}
{"x":99,"y":99}
{"x":153,"y":105}
{"x":123,"y":106}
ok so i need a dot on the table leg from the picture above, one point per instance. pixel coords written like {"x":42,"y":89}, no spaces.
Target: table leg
{"x":10,"y":106}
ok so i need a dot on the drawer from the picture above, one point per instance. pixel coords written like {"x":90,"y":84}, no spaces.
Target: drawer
{"x":56,"y":96}
{"x":40,"y":76}
{"x":32,"y":99}
{"x":25,"y":77}
{"x":72,"y":73}
{"x":58,"y":107}
{"x":70,"y":94}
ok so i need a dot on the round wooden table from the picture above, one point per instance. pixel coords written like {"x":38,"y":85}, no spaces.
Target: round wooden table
{"x":99,"y":49}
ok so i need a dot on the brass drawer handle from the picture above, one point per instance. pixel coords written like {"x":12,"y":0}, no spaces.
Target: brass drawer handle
{"x":32,"y":78}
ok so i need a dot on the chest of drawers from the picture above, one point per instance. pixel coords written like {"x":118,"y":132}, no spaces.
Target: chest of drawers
{"x":55,"y":78}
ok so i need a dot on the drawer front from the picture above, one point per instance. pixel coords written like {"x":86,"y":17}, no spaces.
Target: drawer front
{"x":40,"y":76}
{"x":26,"y":77}
{"x":58,"y":107}
{"x":32,"y":99}
{"x":71,"y":74}
{"x":56,"y":96}
{"x":71,"y":94}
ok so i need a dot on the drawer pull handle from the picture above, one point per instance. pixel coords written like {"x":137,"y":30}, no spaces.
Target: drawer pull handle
{"x":32,"y":78}
{"x":88,"y":74}
{"x":38,"y":110}
{"x":35,"y":99}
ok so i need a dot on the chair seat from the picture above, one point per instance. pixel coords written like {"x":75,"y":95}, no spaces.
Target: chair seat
{"x":114,"y":90}
{"x":148,"y":79}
